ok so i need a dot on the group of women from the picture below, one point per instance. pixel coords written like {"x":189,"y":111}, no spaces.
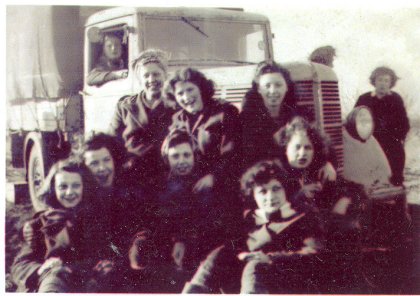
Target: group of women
{"x":188,"y":195}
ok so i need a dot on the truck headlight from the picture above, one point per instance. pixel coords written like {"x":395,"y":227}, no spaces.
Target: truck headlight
{"x":360,"y":123}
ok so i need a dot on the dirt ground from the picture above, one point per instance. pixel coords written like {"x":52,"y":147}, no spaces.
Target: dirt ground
{"x":17,"y":214}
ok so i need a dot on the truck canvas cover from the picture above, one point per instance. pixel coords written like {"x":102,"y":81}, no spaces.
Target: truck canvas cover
{"x":44,"y":52}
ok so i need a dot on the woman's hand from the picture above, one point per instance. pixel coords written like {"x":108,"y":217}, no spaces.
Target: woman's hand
{"x":327,"y":173}
{"x":178,"y":253}
{"x":207,"y":182}
{"x":49,"y":264}
{"x":309,"y":190}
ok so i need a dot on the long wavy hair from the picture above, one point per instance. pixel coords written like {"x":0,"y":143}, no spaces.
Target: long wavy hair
{"x":253,"y":102}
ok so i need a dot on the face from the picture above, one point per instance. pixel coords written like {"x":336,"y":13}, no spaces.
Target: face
{"x":68,"y":189}
{"x":112,"y":48}
{"x":152,"y":78}
{"x":270,"y":196}
{"x":300,"y":151}
{"x":273,"y":88}
{"x":101,"y":165}
{"x":188,"y":96}
{"x":383,"y":84}
{"x":181,"y":159}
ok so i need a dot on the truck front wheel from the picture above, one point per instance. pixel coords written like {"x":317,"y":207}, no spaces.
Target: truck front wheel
{"x":36,"y":175}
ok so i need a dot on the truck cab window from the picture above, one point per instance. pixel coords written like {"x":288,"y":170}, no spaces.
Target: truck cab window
{"x":108,"y":59}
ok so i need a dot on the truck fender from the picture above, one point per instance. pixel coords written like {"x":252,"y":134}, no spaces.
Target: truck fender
{"x":365,"y":162}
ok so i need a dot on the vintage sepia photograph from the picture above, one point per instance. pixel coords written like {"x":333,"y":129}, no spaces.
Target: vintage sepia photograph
{"x":207,"y":148}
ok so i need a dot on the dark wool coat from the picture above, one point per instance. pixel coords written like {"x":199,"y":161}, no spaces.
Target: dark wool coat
{"x":391,"y":128}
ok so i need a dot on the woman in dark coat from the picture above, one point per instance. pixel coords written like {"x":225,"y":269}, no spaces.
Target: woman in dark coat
{"x":280,"y":244}
{"x":117,"y":211}
{"x":303,"y":151}
{"x":56,"y":256}
{"x":185,"y":226}
{"x":390,"y":118}
{"x":215,"y":127}
{"x":267,"y":106}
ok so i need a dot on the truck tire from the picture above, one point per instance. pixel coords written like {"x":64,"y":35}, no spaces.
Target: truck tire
{"x":36,"y":175}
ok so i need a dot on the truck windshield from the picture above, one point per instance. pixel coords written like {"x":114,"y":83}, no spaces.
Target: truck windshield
{"x":207,"y":43}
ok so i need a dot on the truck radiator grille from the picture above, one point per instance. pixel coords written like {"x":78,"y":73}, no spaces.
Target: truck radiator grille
{"x":331,"y":111}
{"x":305,"y":97}
{"x":232,"y":95}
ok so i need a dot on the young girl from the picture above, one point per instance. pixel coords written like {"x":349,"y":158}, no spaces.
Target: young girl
{"x":55,"y":251}
{"x":278,"y":249}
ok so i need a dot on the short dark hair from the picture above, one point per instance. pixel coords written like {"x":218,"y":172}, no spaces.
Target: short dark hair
{"x":206,"y":86}
{"x":383,"y":71}
{"x":114,"y":146}
{"x":261,"y":173}
{"x":317,"y":138}
{"x":47,"y":193}
{"x":174,"y":138}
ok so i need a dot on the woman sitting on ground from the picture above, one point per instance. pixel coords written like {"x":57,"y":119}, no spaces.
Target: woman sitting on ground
{"x":56,"y":256}
{"x":279,"y":247}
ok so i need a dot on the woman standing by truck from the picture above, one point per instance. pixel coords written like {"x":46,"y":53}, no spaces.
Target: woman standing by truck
{"x":390,"y":118}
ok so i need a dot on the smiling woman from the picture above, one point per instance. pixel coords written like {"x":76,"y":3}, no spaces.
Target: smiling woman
{"x":213,"y":125}
{"x":53,"y":244}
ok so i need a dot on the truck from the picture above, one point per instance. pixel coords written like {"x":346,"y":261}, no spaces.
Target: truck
{"x":51,"y":49}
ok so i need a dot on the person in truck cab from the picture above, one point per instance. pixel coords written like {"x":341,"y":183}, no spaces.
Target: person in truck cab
{"x":390,"y":118}
{"x":110,"y":65}
{"x":141,"y":120}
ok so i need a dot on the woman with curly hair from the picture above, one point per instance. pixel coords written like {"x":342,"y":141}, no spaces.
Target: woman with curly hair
{"x":303,"y":151}
{"x":215,"y":128}
{"x":280,"y":242}
{"x":214,"y":125}
{"x":56,"y":256}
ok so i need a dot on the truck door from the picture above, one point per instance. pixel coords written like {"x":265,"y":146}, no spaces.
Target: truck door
{"x":100,"y":100}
